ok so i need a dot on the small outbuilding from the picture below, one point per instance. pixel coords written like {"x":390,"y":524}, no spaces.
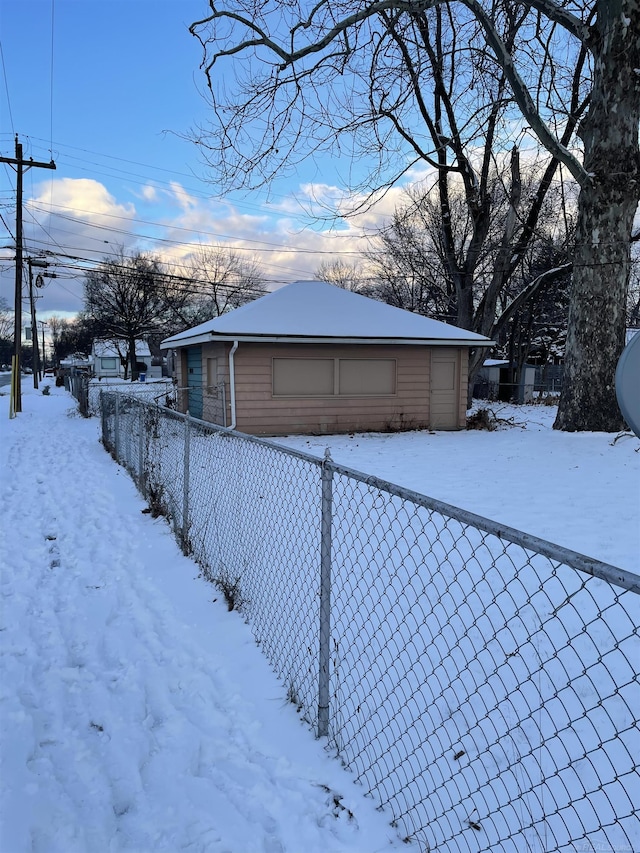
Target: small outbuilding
{"x":312,"y":358}
{"x":499,"y":379}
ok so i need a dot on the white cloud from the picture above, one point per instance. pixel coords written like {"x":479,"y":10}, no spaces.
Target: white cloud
{"x":289,"y":238}
{"x":149,"y":193}
{"x":68,"y":219}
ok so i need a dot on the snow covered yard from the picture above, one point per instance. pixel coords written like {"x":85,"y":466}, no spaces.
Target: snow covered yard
{"x":578,"y":490}
{"x":137,"y":713}
{"x":128,"y":729}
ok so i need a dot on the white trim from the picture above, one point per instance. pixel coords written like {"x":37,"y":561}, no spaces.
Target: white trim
{"x":212,"y":337}
{"x":232,"y":384}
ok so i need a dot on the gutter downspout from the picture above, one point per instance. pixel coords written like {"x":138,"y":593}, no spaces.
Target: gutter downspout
{"x":232,"y":384}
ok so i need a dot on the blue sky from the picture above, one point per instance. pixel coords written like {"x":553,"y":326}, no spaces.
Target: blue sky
{"x":106,"y":88}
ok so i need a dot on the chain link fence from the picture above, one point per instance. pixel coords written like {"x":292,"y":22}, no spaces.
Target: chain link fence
{"x":480,"y":683}
{"x":77,"y":384}
{"x":87,"y":390}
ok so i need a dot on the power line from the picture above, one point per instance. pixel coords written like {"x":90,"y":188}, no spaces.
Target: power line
{"x":20,"y":165}
{"x":274,"y":247}
{"x":6,"y":87}
{"x":53,"y":6}
{"x":145,"y":177}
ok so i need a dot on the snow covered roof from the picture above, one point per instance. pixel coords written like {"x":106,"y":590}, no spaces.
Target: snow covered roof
{"x":77,"y":360}
{"x":102,"y":349}
{"x":319,"y":312}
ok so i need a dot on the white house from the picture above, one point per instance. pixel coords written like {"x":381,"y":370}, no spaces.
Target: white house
{"x":107,"y":359}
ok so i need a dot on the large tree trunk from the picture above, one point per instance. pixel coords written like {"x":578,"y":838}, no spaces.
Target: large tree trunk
{"x":606,"y":208}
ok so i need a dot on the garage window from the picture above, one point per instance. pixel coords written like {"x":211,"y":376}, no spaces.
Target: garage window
{"x":373,"y":377}
{"x":334,"y":377}
{"x":108,"y":363}
{"x":303,"y":377}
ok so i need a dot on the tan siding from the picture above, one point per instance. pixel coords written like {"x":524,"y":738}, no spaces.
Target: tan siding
{"x":259,"y":413}
{"x":448,"y":387}
{"x":464,"y":382}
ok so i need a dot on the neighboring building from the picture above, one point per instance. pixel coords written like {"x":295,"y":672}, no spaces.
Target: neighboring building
{"x":495,"y":381}
{"x":549,"y":376}
{"x":106,"y":359}
{"x":311,"y":358}
{"x":78,"y":362}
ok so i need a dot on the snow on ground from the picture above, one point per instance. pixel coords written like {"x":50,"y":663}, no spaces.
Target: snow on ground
{"x":580,"y":490}
{"x":137,"y":713}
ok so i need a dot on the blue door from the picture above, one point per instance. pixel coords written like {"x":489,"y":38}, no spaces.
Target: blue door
{"x":194,"y":380}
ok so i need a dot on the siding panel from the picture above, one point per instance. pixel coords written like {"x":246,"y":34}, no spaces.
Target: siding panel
{"x":260,"y":413}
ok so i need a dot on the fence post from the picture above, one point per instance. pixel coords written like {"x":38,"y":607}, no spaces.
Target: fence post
{"x":185,"y":482}
{"x":84,"y":392}
{"x":116,"y":437}
{"x":324,"y":656}
{"x":141,"y":441}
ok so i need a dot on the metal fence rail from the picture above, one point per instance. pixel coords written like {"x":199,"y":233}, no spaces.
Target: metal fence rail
{"x":87,"y":391}
{"x":481,"y":683}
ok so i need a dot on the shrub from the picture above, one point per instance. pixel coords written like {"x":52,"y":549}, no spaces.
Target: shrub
{"x":482,"y":419}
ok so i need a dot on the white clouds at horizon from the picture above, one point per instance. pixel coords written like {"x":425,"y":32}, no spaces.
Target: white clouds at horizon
{"x":81,"y":218}
{"x":289,"y":239}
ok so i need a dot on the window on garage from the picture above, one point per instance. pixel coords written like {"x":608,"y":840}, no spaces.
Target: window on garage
{"x":108,"y":363}
{"x":367,"y":377}
{"x":303,"y":377}
{"x":331,"y":377}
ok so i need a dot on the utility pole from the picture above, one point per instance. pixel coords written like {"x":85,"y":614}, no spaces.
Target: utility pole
{"x":20,"y":165}
{"x":34,"y":262}
{"x":44,"y":352}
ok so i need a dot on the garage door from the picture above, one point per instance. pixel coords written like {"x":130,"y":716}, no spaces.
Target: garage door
{"x":194,"y":381}
{"x":445,"y":388}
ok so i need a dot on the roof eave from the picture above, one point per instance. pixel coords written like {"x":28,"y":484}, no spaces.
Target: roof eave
{"x":211,"y":337}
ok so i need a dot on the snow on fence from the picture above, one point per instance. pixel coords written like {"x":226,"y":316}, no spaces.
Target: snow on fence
{"x":479,"y":682}
{"x":87,"y":391}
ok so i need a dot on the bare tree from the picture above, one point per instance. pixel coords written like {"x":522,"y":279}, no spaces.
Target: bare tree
{"x":6,"y":333}
{"x":71,"y":336}
{"x":348,"y":276}
{"x":124,"y":298}
{"x":6,"y":320}
{"x":569,"y":68}
{"x":419,"y":259}
{"x":210,"y":282}
{"x":633,"y":298}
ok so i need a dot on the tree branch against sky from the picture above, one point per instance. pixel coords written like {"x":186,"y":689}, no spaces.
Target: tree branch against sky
{"x":124,"y":298}
{"x":6,"y":320}
{"x":218,"y":280}
{"x":288,"y":81}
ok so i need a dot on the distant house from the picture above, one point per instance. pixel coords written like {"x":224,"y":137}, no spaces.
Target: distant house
{"x":498,"y":379}
{"x":107,"y":359}
{"x":311,"y":358}
{"x":77,"y":362}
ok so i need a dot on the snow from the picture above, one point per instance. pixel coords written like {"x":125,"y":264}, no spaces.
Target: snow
{"x":579,"y":490}
{"x":137,"y":712}
{"x":317,"y":309}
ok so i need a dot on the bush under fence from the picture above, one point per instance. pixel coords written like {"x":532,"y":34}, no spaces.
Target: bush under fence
{"x":479,"y":682}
